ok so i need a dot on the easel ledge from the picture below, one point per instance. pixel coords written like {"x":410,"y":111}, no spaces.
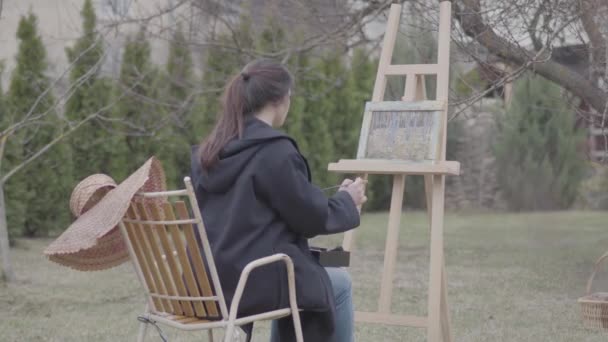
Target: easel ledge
{"x":451,"y":168}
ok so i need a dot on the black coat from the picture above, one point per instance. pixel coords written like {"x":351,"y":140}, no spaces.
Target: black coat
{"x":258,"y":200}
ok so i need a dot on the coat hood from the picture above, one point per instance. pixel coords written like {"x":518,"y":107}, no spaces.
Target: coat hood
{"x":234,"y":157}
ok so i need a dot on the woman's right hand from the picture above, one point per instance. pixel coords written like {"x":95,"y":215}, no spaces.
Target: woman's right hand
{"x":356,"y":190}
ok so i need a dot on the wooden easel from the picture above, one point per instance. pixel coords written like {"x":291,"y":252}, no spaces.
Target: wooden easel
{"x":438,"y":321}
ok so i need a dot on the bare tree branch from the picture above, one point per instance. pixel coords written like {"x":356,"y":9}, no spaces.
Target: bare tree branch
{"x":467,"y":12}
{"x":64,"y":134}
{"x":533,"y":26}
{"x":29,"y":118}
{"x":598,"y":42}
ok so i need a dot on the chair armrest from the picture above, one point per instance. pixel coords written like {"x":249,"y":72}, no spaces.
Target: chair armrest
{"x":255,"y":264}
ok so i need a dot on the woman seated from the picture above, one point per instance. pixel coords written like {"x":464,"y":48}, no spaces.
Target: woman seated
{"x":256,"y":197}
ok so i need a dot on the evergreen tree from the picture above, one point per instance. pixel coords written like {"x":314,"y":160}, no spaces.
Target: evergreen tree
{"x":179,"y":69}
{"x":294,"y":124}
{"x":319,"y":149}
{"x":220,"y":64}
{"x":3,"y":111}
{"x":344,"y":113}
{"x":177,"y":137}
{"x":363,"y":75}
{"x":91,"y":148}
{"x":137,"y":112}
{"x":272,"y":41}
{"x":85,"y":55}
{"x":539,"y":165}
{"x":34,"y":193}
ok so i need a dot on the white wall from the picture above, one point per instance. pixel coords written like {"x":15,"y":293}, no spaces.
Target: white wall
{"x":59,"y":25}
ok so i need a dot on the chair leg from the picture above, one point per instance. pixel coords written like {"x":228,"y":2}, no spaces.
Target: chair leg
{"x":229,"y":333}
{"x":210,"y":335}
{"x":143,"y":327}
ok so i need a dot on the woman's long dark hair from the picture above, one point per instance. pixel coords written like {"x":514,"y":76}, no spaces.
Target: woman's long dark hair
{"x":261,"y":82}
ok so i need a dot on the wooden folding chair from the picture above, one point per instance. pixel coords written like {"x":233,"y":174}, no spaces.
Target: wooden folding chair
{"x":178,"y":273}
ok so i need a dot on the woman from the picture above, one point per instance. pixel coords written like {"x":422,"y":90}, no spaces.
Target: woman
{"x":256,"y":198}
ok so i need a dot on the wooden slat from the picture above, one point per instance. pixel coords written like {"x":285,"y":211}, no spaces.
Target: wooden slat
{"x":183,"y":260}
{"x":412,"y":69}
{"x":197,"y":258}
{"x":395,"y":167}
{"x":141,"y":263}
{"x":396,"y":106}
{"x":391,"y":319}
{"x":156,"y":285}
{"x":160,"y":264}
{"x":163,"y":193}
{"x":161,"y":232}
{"x":159,"y":222}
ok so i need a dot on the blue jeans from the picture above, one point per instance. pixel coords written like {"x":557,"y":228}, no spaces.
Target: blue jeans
{"x":342,"y":286}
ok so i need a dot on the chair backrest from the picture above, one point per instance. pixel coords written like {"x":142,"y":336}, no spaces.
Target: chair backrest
{"x":175,"y":267}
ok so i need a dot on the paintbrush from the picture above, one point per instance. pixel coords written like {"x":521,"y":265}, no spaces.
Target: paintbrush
{"x":339,"y":185}
{"x":332,"y":187}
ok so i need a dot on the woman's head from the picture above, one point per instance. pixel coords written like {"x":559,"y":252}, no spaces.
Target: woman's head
{"x":267,"y":86}
{"x":262,"y":88}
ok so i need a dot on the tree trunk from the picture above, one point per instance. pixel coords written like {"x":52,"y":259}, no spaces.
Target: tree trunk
{"x":9,"y":275}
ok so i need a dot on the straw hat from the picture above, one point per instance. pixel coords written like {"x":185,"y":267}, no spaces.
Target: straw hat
{"x":93,"y":241}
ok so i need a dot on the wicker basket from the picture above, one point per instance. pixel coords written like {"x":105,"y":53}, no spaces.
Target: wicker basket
{"x":594,"y":306}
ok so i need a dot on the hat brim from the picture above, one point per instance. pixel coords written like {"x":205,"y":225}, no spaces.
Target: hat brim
{"x":93,"y":241}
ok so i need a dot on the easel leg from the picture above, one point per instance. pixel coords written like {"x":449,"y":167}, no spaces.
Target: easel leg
{"x":392,"y":243}
{"x":446,"y":331}
{"x":434,"y":333}
{"x":349,"y":240}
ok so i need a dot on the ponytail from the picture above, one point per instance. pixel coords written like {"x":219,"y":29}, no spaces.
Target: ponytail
{"x":229,"y":125}
{"x":260,"y":83}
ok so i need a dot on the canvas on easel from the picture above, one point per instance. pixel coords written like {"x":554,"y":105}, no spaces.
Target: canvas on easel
{"x":397,"y":130}
{"x":401,"y":138}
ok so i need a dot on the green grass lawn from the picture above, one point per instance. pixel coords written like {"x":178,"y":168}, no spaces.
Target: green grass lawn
{"x":511,"y":277}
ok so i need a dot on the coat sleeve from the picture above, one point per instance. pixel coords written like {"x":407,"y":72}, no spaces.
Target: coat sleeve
{"x":307,"y":210}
